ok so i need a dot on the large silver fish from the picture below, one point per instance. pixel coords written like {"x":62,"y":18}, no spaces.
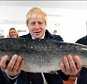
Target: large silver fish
{"x":41,"y":55}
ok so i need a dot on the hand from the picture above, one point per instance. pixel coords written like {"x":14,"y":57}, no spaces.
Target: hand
{"x":70,"y":65}
{"x":14,"y":65}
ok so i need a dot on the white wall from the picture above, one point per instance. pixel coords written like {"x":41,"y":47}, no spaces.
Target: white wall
{"x":68,"y":18}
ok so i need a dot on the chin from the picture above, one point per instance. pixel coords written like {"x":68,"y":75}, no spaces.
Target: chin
{"x":39,"y":36}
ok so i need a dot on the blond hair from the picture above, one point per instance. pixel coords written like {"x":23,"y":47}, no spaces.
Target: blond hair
{"x":35,"y":11}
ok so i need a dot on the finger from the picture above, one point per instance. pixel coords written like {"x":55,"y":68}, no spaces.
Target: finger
{"x":77,"y":61}
{"x":72,"y":64}
{"x":3,"y":61}
{"x":66,"y":64}
{"x":12,"y":63}
{"x":17,"y":64}
{"x":20,"y":67}
{"x":62,"y":67}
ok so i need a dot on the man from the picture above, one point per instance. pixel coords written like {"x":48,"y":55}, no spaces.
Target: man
{"x":36,"y":21}
{"x":82,"y":79}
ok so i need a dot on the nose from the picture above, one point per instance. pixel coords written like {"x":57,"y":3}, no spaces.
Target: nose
{"x":37,"y":25}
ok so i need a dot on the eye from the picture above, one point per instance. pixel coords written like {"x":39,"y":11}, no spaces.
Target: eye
{"x":40,"y":23}
{"x":33,"y":23}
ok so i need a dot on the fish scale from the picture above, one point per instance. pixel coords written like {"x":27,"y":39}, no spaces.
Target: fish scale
{"x":41,"y":55}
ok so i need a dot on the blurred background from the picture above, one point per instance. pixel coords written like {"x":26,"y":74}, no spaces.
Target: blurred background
{"x":65,"y":18}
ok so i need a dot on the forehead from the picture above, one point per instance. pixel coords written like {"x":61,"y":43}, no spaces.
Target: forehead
{"x":35,"y":17}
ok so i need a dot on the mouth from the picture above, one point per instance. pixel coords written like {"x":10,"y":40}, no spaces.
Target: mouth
{"x":37,"y":32}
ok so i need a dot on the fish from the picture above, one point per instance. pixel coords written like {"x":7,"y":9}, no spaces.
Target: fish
{"x":41,"y":55}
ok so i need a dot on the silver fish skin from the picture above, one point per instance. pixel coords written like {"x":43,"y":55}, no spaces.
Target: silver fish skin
{"x":41,"y":55}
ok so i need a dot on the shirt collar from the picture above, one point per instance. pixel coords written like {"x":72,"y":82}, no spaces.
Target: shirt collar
{"x":40,"y":38}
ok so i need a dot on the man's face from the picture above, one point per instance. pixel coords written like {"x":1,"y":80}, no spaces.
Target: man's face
{"x":36,"y":26}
